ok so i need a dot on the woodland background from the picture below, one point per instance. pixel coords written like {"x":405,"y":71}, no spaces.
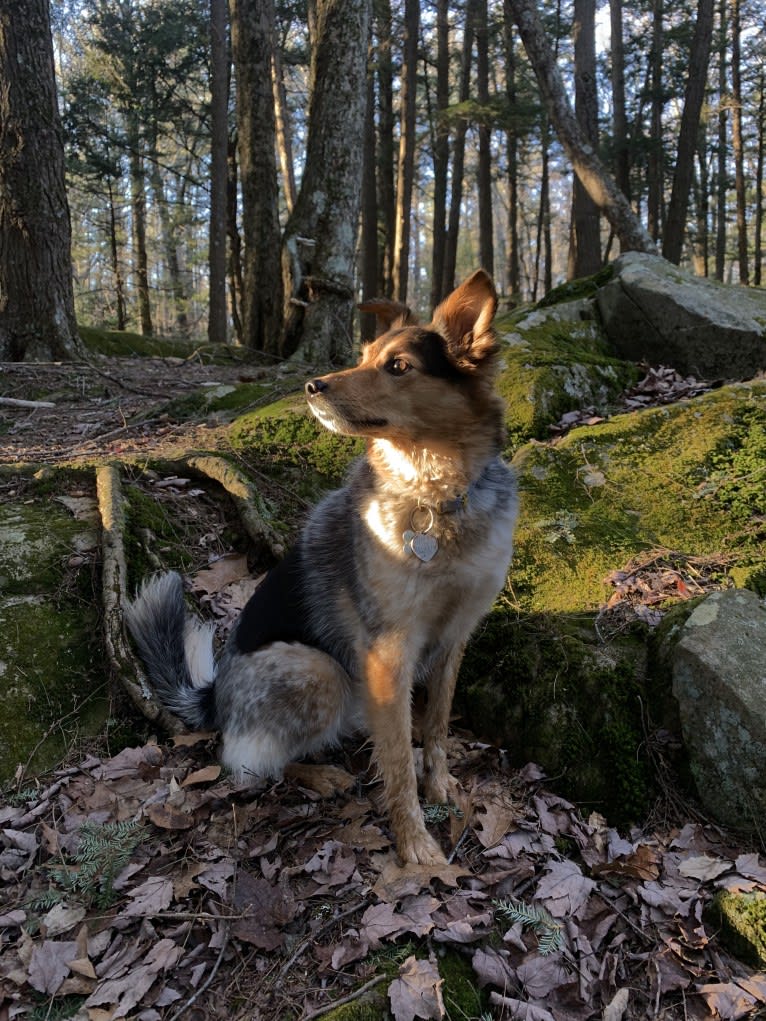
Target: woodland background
{"x":220,"y":158}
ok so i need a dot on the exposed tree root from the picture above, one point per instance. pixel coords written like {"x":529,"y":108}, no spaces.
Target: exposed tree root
{"x":125,"y":665}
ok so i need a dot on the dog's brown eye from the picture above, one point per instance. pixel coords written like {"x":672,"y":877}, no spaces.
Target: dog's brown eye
{"x":398,"y":367}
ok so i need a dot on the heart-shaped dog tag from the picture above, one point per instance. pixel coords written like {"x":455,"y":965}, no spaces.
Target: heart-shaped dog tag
{"x":424,"y":546}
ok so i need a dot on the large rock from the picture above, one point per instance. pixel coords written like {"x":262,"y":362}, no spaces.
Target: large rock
{"x":719,"y":679}
{"x":655,"y":312}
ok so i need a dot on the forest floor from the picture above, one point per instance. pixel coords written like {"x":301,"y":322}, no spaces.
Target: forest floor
{"x":145,"y":884}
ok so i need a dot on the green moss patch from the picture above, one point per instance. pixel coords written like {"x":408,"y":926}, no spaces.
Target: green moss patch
{"x":741,"y":920}
{"x":656,"y":478}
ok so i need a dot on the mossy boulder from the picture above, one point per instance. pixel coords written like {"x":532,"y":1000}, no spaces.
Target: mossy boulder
{"x":740,"y":919}
{"x":555,"y":359}
{"x":51,"y":667}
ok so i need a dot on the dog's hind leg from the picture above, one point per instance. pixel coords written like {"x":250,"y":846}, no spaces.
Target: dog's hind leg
{"x":388,"y":679}
{"x":438,"y":785}
{"x":278,"y":704}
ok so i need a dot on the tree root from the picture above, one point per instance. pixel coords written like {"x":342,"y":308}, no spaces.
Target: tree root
{"x":114,"y":579}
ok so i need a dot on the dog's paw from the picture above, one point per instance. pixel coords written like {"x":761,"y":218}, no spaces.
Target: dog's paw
{"x":420,"y":849}
{"x":440,"y":789}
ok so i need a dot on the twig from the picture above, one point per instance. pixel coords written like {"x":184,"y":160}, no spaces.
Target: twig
{"x":344,"y":1000}
{"x":301,"y":949}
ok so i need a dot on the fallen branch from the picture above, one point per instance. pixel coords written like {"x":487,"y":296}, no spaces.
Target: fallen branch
{"x":114,"y":580}
{"x":15,"y":402}
{"x":345,"y":999}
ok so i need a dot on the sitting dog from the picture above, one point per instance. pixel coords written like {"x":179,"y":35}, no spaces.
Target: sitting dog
{"x":390,"y":576}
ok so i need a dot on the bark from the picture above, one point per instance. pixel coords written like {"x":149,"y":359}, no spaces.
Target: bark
{"x":513,"y":273}
{"x":441,"y":152}
{"x":369,"y":242}
{"x":169,"y":246}
{"x":486,"y":240}
{"x":699,"y":58}
{"x":234,"y":262}
{"x":406,"y":164}
{"x":619,"y":116}
{"x":138,"y":209}
{"x":758,"y":218}
{"x":252,"y":36}
{"x":37,"y":319}
{"x":700,"y":248}
{"x":319,"y":245}
{"x":385,"y":155}
{"x":737,"y":145}
{"x":585,"y":234}
{"x":721,"y":170}
{"x":588,"y":167}
{"x":284,"y":133}
{"x":458,"y":156}
{"x":655,"y":169}
{"x":119,"y":285}
{"x":219,"y":144}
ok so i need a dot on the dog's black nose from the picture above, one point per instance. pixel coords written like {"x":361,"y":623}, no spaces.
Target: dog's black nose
{"x":316,"y":386}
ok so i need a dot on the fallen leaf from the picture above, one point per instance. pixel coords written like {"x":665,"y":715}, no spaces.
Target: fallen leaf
{"x":205,"y":775}
{"x":167,"y":817}
{"x":325,"y":780}
{"x":417,"y":991}
{"x":49,"y":965}
{"x":704,"y":868}
{"x":228,"y":568}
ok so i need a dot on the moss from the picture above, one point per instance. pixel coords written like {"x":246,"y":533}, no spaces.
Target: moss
{"x":287,"y":441}
{"x":741,"y":919}
{"x":583,"y":287}
{"x":642,"y":480}
{"x":51,"y":667}
{"x":543,"y":687}
{"x":462,"y":996}
{"x":123,"y":343}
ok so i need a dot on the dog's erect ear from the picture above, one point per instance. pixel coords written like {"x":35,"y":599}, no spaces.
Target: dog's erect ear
{"x":387,"y":314}
{"x":465,"y":317}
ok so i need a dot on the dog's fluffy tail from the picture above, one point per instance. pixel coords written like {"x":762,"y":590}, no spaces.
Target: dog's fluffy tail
{"x":176,"y":649}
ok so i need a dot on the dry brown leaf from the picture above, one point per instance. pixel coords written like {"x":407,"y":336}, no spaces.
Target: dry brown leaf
{"x":169,"y":818}
{"x":228,"y":568}
{"x":325,"y":780}
{"x":205,"y":775}
{"x":396,"y":881}
{"x":704,"y":868}
{"x":417,"y":991}
{"x":643,"y":863}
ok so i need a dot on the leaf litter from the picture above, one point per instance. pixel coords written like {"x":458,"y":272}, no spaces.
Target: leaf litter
{"x":276,"y":901}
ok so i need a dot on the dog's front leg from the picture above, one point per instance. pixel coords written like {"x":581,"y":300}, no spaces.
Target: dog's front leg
{"x":388,"y":680}
{"x":438,"y":785}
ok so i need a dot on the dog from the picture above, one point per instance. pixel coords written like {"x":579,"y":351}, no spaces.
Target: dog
{"x":391,"y":574}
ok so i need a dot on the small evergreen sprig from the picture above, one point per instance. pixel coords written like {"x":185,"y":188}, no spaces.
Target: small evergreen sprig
{"x":532,"y":916}
{"x":104,"y":851}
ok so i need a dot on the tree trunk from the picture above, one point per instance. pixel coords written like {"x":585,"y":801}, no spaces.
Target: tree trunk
{"x":700,"y":248}
{"x":385,"y":165}
{"x":737,"y":145}
{"x":138,"y":209}
{"x":486,"y":239}
{"x":37,"y":319}
{"x":319,"y":245}
{"x":458,"y":157}
{"x":761,"y":144}
{"x":235,"y":271}
{"x":406,"y":163}
{"x":369,"y":242}
{"x":699,"y":58}
{"x":169,"y":246}
{"x":512,"y":148}
{"x":588,"y":167}
{"x":655,"y":168}
{"x":619,"y":116}
{"x":722,"y":178}
{"x":284,"y":133}
{"x":219,"y":145}
{"x":119,"y":286}
{"x":252,"y":36}
{"x":441,"y":152}
{"x":585,"y":234}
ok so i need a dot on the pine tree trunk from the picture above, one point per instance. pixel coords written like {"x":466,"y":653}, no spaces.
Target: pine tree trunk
{"x":441,"y":152}
{"x":655,"y":169}
{"x":37,"y":319}
{"x":284,"y":133}
{"x":738,"y":146}
{"x":138,"y":208}
{"x":721,"y":169}
{"x":513,"y":275}
{"x":587,"y":165}
{"x":385,"y":166}
{"x":319,"y":244}
{"x":699,"y":59}
{"x":119,"y":286}
{"x":252,"y":36}
{"x":758,"y":218}
{"x":369,"y":242}
{"x":486,"y":239}
{"x":585,"y":234}
{"x":219,"y":143}
{"x":406,"y":164}
{"x":619,"y":116}
{"x":458,"y":156}
{"x":234,"y":261}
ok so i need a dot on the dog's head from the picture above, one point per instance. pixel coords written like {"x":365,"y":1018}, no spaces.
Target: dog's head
{"x":414,"y":384}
